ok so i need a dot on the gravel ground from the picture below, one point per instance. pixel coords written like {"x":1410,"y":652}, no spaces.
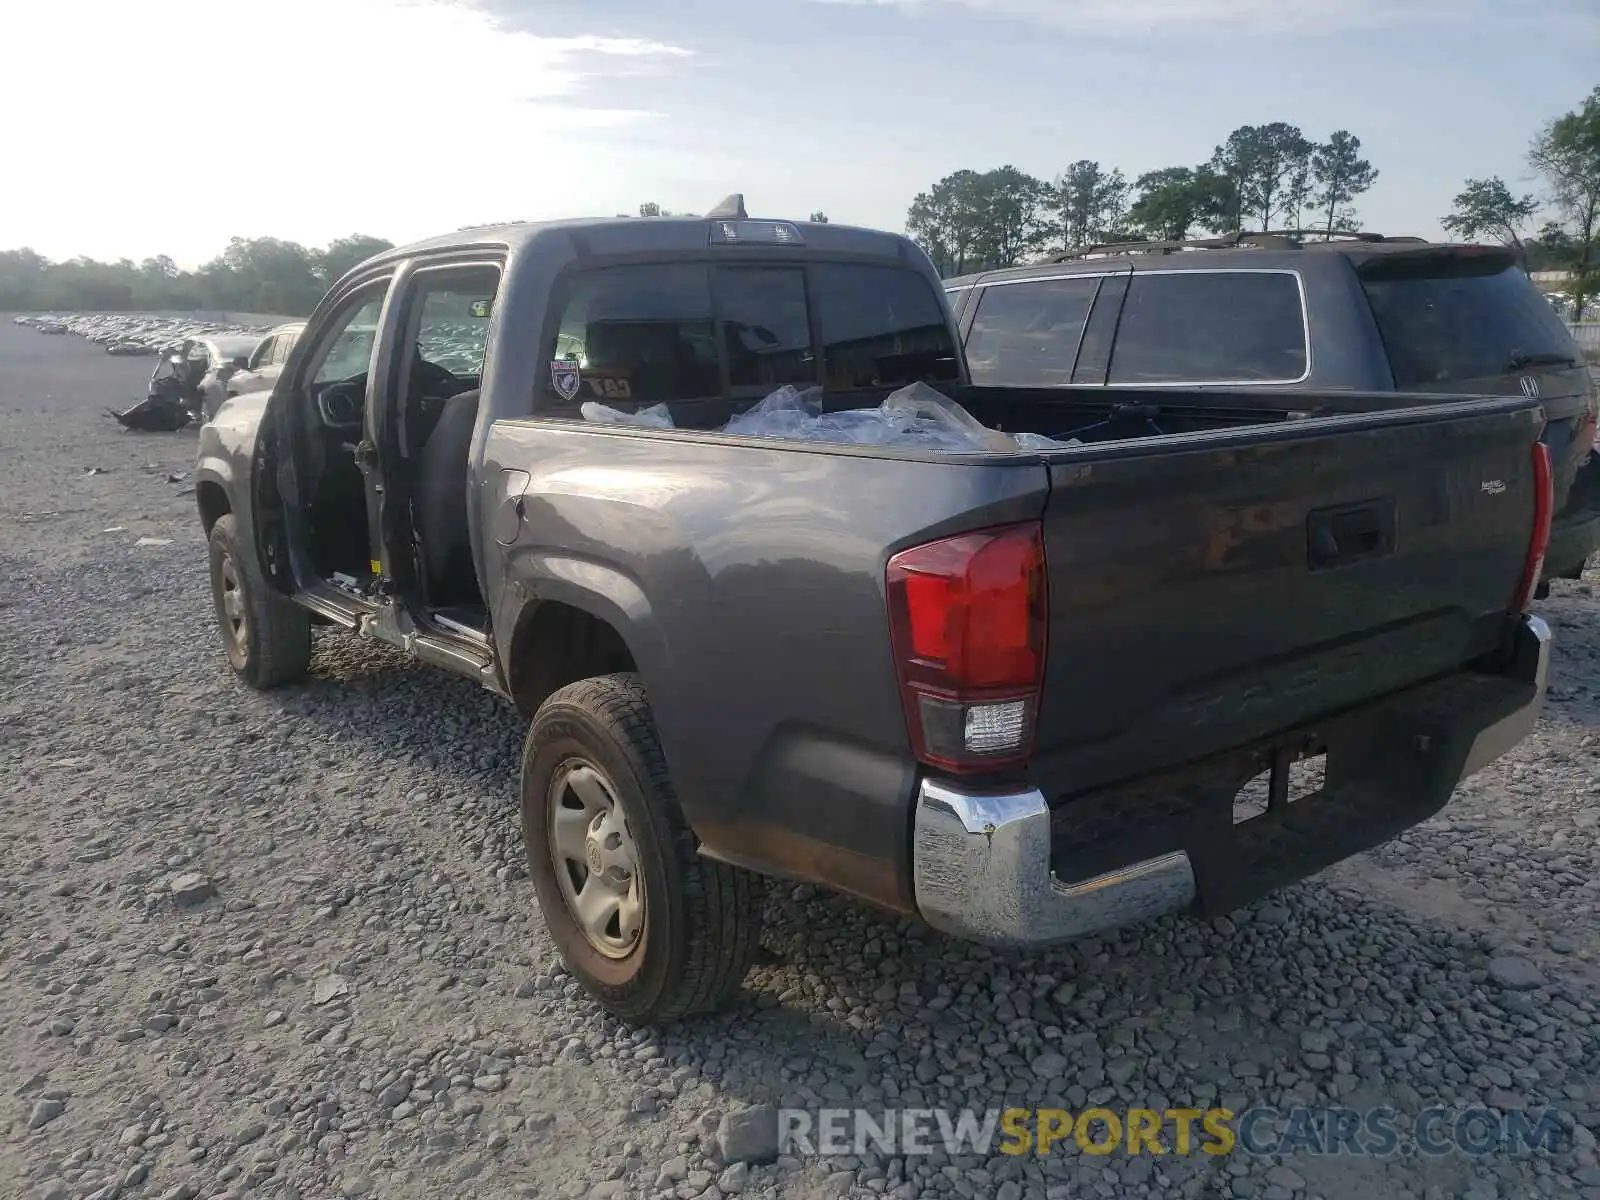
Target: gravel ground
{"x":284,"y":945}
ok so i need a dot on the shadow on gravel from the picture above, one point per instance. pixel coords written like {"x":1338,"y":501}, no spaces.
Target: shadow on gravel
{"x":1575,"y":656}
{"x":845,"y":954}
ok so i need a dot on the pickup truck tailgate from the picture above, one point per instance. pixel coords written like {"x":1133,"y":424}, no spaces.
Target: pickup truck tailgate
{"x":1206,"y":594}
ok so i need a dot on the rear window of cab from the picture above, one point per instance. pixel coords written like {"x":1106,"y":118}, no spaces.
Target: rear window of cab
{"x":663,"y":332}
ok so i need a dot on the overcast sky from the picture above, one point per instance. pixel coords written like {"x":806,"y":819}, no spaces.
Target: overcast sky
{"x":171,"y":125}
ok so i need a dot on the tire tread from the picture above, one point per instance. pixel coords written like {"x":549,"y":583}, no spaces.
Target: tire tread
{"x":722,"y":904}
{"x":282,"y":629}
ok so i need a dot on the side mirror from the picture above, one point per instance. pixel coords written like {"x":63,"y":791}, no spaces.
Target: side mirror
{"x":242,"y":363}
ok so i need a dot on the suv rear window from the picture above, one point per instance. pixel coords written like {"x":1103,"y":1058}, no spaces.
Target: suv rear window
{"x":694,"y":331}
{"x":1443,"y":321}
{"x":1211,"y":327}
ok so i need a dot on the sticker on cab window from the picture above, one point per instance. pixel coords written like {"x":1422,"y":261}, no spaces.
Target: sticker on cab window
{"x":480,"y":308}
{"x":611,"y":389}
{"x":564,"y":377}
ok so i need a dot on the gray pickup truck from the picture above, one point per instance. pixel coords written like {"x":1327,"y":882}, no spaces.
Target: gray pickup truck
{"x":1134,"y":655}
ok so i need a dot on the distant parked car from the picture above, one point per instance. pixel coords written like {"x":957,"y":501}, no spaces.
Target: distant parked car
{"x":210,"y":361}
{"x":50,"y":327}
{"x":261,"y":368}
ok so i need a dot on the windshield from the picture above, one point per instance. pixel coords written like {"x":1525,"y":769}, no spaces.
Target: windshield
{"x":1443,"y":323}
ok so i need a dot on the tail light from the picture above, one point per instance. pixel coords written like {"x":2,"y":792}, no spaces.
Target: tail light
{"x":1539,"y":539}
{"x":967,"y":617}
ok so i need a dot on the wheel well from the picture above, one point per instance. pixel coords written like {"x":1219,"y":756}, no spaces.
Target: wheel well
{"x":213,"y":504}
{"x":556,"y":644}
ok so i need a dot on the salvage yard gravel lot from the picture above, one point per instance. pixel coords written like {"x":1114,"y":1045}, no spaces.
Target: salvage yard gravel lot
{"x":285,"y":946}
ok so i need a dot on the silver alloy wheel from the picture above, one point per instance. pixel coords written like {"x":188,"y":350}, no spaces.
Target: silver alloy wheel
{"x":595,"y":859}
{"x":235,"y":614}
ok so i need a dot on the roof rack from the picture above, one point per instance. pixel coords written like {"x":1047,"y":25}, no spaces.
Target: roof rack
{"x":1265,"y":239}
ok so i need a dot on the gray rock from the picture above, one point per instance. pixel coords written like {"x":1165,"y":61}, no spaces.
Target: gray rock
{"x":672,"y":1170}
{"x":45,"y":1111}
{"x":489,"y":1083}
{"x":734,"y":1179}
{"x":749,"y":1135}
{"x":1122,"y":1069}
{"x":249,"y":1133}
{"x":1515,"y":973}
{"x":1286,"y":1177}
{"x":191,"y":889}
{"x":1315,"y":1041}
{"x":1050,"y":1065}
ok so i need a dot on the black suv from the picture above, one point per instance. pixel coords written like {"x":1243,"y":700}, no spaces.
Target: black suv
{"x":1361,"y":312}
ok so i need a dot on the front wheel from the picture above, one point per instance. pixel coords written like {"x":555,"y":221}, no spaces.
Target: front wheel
{"x":267,"y":637}
{"x":652,"y":930}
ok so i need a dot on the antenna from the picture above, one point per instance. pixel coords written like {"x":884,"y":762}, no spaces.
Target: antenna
{"x":731,"y":209}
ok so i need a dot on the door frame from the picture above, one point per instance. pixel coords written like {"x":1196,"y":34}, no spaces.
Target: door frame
{"x":388,"y":482}
{"x":288,"y":414}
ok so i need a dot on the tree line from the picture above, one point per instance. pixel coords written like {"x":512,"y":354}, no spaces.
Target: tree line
{"x":257,"y":275}
{"x":1261,"y":177}
{"x":1565,"y":156}
{"x":651,"y":209}
{"x":260,"y":275}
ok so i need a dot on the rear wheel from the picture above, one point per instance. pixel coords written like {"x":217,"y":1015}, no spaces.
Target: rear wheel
{"x":652,"y":930}
{"x":266,"y":636}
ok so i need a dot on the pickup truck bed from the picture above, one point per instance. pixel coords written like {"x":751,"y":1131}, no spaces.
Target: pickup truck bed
{"x":1207,"y":591}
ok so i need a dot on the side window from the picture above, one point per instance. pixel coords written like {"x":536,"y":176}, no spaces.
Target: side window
{"x":766,"y":332}
{"x":637,"y":333}
{"x":1211,"y":327}
{"x":349,"y":352}
{"x":1027,"y":334}
{"x":263,"y":354}
{"x":452,"y":329}
{"x":286,"y":343}
{"x":958,"y":299}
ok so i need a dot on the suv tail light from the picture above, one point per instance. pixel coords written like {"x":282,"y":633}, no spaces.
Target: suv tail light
{"x":1539,"y":539}
{"x":967,"y":618}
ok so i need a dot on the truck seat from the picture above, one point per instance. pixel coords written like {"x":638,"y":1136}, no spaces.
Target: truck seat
{"x":441,"y":504}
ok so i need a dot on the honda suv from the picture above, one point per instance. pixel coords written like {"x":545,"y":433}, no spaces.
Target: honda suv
{"x":1361,"y":312}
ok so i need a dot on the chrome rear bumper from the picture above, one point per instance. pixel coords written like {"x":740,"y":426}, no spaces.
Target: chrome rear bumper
{"x":982,"y":865}
{"x":982,"y":872}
